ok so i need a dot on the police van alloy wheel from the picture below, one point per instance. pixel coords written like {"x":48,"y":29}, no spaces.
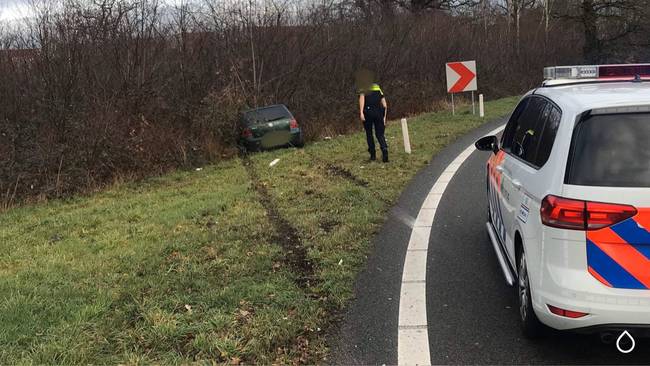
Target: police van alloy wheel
{"x":530,"y":325}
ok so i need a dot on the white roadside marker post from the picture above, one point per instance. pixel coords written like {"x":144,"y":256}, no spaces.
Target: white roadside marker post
{"x":481,"y":107}
{"x":473,"y":105}
{"x":405,"y":133}
{"x":453,"y":108}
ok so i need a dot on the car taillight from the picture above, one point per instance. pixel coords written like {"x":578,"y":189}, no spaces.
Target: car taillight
{"x":247,"y":132}
{"x":573,"y":214}
{"x":293,"y":124}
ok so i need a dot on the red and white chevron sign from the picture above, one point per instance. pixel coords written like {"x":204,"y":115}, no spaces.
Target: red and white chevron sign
{"x":461,"y":76}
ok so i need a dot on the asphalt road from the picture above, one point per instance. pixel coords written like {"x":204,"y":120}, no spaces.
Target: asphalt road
{"x":472,"y":313}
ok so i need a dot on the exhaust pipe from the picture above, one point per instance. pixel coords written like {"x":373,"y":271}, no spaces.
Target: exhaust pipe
{"x":607,"y":337}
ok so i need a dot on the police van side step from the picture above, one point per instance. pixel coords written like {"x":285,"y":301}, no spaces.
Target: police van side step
{"x":507,"y":272}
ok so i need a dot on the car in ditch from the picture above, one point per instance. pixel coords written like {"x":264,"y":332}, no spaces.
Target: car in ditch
{"x":269,"y":127}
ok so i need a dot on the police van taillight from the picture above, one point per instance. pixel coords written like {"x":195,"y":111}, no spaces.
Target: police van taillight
{"x":566,"y":213}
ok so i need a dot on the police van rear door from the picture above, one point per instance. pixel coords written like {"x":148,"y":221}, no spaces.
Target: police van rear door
{"x":609,"y":168}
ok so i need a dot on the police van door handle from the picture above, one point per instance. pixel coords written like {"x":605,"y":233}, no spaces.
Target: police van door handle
{"x":516,"y":183}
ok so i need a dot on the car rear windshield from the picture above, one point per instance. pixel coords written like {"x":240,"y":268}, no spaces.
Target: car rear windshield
{"x":268,"y":114}
{"x":612,"y":151}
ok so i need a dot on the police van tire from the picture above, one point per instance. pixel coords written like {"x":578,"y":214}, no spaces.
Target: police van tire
{"x":489,"y":214}
{"x":531,"y":327}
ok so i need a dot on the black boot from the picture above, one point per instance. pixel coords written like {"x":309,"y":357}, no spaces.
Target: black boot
{"x":384,"y":156}
{"x":373,"y":156}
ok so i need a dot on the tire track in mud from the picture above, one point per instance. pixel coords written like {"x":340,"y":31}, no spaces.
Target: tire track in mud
{"x":341,"y":172}
{"x":286,"y":236}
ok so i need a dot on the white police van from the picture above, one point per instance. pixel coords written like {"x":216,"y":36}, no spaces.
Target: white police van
{"x":568,"y":188}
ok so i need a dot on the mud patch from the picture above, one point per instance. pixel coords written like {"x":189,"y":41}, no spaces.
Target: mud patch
{"x":341,"y":172}
{"x":345,"y":174}
{"x":329,"y":225}
{"x":286,"y":235}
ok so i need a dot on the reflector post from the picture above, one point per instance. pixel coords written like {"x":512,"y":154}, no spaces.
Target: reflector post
{"x":566,"y":313}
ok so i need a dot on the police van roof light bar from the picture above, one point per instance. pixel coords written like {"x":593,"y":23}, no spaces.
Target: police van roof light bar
{"x":598,"y":72}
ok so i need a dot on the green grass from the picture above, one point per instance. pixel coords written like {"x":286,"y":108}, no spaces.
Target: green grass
{"x":188,"y":266}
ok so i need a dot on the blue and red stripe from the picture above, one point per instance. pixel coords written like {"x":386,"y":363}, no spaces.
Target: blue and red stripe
{"x":609,"y":270}
{"x":619,"y":256}
{"x":633,"y":234}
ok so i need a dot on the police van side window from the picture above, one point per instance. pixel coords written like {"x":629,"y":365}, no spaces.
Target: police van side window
{"x":526,"y":136}
{"x":548,"y":133}
{"x":511,"y":127}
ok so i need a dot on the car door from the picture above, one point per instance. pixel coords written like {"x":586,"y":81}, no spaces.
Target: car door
{"x":498,"y":169}
{"x":531,"y":183}
{"x":520,"y":143}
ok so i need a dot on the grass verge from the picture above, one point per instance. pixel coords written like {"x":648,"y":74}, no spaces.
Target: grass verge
{"x":238,"y":262}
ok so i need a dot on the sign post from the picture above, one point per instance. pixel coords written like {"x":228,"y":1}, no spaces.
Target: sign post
{"x":473,"y":107}
{"x":453,"y":108}
{"x":461,"y":77}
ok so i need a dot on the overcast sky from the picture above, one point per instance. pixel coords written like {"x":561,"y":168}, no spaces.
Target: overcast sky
{"x":13,"y":9}
{"x":17,"y":9}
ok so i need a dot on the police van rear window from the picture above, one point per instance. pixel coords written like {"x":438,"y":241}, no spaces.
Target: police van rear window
{"x":611,"y":151}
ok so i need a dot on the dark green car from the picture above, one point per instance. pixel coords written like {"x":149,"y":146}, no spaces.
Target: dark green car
{"x":270,"y":127}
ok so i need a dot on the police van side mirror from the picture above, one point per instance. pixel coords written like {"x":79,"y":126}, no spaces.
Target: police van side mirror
{"x":488,"y":143}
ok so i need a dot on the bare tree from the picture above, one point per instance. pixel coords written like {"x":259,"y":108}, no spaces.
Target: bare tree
{"x":604,"y":22}
{"x":96,"y":89}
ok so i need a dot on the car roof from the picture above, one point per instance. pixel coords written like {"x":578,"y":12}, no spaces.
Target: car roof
{"x":580,"y":97}
{"x":266,"y":107}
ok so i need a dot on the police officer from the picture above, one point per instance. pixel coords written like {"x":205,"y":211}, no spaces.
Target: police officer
{"x":372,"y":110}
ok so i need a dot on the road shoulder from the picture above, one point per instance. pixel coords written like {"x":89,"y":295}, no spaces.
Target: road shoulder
{"x":368,"y":331}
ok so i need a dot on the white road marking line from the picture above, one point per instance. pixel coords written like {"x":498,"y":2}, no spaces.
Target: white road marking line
{"x":413,"y":313}
{"x":413,"y":334}
{"x":415,"y":266}
{"x":432,"y":201}
{"x":425,"y":217}
{"x":410,"y":341}
{"x":419,"y":238}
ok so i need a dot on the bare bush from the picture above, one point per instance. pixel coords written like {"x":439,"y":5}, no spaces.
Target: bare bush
{"x":95,"y":90}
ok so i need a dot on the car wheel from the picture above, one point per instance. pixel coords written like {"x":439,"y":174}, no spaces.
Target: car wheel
{"x":489,"y":214}
{"x":530,"y":325}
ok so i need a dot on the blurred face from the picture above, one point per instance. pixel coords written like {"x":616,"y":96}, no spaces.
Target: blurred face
{"x":364,"y":79}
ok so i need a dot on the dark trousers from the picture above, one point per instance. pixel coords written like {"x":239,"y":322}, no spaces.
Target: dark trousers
{"x":378,"y":124}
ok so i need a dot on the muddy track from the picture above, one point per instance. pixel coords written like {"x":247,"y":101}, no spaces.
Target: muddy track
{"x":341,"y":172}
{"x":345,"y":174}
{"x":286,"y":235}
